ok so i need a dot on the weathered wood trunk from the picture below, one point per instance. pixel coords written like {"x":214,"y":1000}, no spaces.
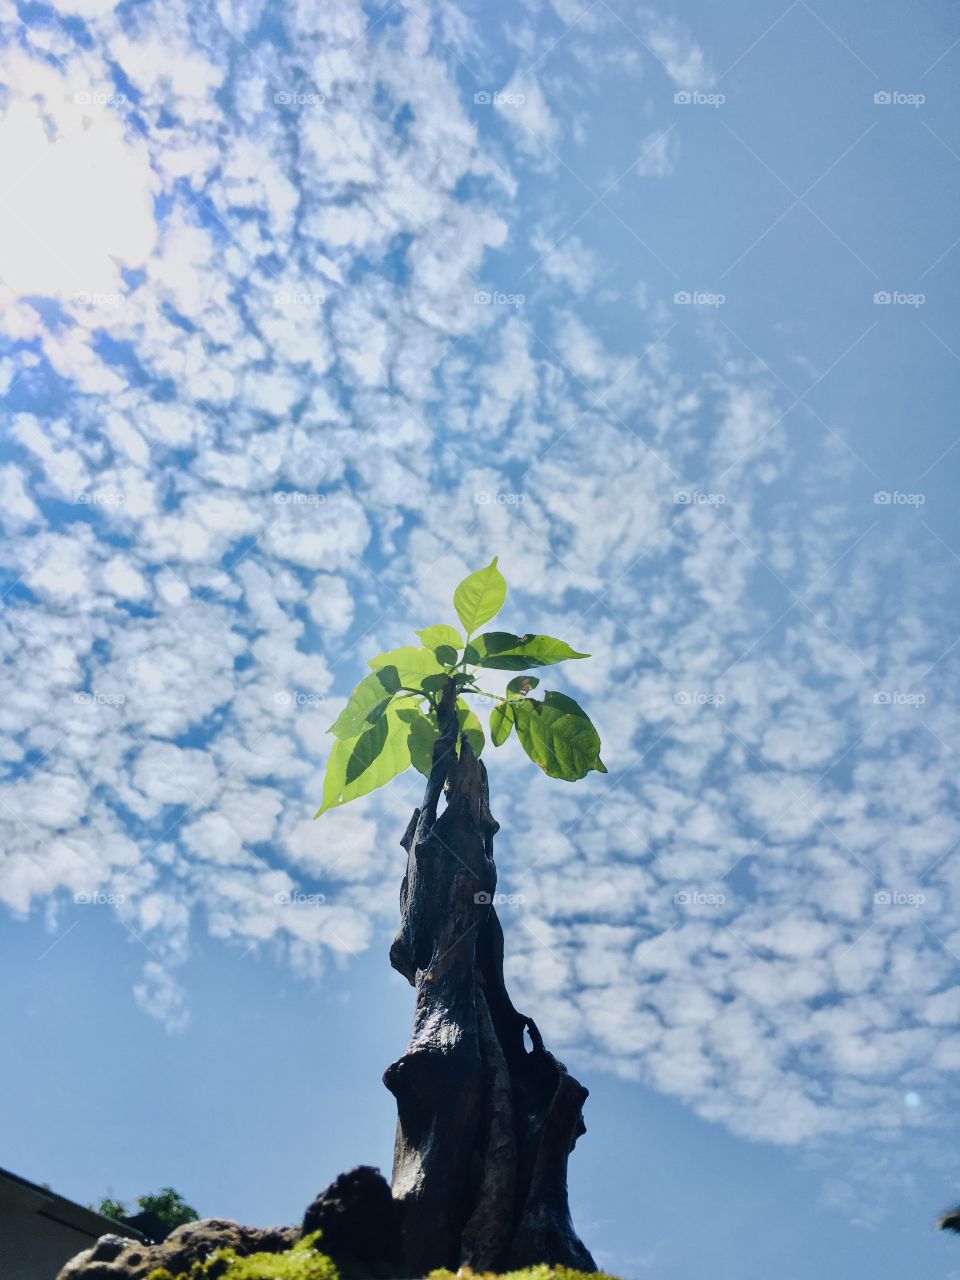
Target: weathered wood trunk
{"x":485,"y":1123}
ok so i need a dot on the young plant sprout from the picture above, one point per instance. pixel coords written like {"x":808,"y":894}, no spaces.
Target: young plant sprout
{"x":394,"y":716}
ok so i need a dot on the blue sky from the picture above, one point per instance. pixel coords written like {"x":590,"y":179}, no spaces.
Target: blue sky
{"x":306,"y":312}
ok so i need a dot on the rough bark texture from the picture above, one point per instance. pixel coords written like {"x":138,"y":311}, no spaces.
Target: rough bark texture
{"x":485,"y":1124}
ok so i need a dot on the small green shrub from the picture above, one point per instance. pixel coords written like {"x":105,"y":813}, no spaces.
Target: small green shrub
{"x":302,"y":1262}
{"x":541,"y":1272}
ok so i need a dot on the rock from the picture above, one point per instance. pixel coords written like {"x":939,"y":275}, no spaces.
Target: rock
{"x":360,"y":1221}
{"x":113,"y":1258}
{"x":357,"y":1215}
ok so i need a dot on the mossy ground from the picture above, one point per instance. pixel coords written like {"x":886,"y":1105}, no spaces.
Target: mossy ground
{"x":305,"y":1262}
{"x":302,"y":1262}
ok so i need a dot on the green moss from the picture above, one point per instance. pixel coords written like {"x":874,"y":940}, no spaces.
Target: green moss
{"x":302,"y":1262}
{"x":541,"y":1272}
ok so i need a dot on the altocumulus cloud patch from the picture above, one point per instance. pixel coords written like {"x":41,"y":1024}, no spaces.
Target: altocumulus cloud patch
{"x":275,"y":409}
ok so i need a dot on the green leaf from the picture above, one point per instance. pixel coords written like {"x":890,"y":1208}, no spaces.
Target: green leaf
{"x":447,"y":655}
{"x":433,"y":637}
{"x":501,"y":723}
{"x":484,"y":650}
{"x":480,"y":597}
{"x":470,"y":727}
{"x":522,"y":684}
{"x":504,"y":652}
{"x":360,"y":764}
{"x":409,"y":664}
{"x":367,"y":703}
{"x":422,"y":734}
{"x":558,"y":735}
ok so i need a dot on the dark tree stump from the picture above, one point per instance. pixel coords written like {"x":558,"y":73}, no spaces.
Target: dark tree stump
{"x":485,"y":1124}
